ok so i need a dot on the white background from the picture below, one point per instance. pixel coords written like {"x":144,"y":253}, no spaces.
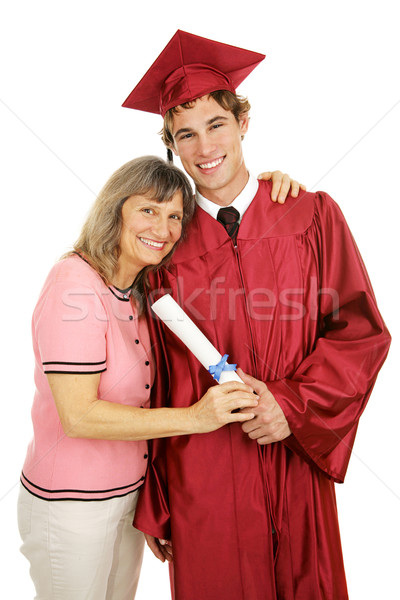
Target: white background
{"x":325,"y":108}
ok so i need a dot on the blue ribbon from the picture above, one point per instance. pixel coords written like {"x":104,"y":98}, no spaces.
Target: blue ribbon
{"x":217,"y":369}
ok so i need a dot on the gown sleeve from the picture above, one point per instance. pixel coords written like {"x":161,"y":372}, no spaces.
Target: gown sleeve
{"x":152,"y":512}
{"x":325,"y":396}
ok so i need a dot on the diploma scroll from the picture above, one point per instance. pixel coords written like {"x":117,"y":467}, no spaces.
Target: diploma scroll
{"x":183,"y":327}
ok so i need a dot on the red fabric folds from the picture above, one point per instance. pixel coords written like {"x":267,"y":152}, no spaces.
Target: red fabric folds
{"x":293,"y":306}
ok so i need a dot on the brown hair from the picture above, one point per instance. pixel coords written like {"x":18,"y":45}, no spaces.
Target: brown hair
{"x":226,"y":99}
{"x":101,"y":233}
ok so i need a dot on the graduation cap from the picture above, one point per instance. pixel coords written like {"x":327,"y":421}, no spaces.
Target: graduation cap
{"x":189,"y":67}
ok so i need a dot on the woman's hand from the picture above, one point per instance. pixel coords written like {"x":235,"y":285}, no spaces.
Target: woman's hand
{"x":282,"y":184}
{"x":83,"y":414}
{"x":215,"y":408}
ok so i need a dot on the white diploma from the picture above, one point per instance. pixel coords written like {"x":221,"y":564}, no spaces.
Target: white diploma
{"x":183,"y":327}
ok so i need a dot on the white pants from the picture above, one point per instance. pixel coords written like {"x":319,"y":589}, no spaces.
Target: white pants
{"x":81,"y":550}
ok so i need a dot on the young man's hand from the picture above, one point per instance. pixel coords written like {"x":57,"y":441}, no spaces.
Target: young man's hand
{"x":162,"y":549}
{"x":269,"y":424}
{"x":282,"y":184}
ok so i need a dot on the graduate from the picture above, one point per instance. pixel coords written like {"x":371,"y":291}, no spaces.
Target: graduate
{"x":250,"y":508}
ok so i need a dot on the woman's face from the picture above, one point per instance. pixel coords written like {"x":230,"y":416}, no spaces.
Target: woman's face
{"x":149,"y":230}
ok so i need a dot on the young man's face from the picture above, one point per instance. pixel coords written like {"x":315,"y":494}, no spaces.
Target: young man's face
{"x":208,"y":142}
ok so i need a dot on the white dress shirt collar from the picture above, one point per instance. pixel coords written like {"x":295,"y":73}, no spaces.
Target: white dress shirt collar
{"x":241,"y":202}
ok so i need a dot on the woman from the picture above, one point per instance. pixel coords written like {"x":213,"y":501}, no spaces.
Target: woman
{"x":93,"y":374}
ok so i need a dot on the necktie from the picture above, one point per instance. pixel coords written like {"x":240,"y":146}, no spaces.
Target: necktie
{"x":229,"y":217}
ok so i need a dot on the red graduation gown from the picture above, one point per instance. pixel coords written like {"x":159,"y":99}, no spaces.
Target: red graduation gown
{"x":293,"y":306}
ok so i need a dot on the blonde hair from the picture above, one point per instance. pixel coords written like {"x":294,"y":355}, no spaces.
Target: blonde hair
{"x":100,"y":236}
{"x":237,"y":105}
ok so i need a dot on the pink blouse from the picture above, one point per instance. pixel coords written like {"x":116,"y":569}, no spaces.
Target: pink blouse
{"x":81,"y":326}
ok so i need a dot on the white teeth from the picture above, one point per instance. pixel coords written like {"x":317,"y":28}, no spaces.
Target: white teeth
{"x":210,"y":165}
{"x":151,"y":243}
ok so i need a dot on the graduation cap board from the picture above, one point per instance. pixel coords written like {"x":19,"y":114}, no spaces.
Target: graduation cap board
{"x":189,"y":67}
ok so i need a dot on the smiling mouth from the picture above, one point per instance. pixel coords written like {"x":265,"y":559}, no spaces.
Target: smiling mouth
{"x":152,"y":243}
{"x":211,"y":165}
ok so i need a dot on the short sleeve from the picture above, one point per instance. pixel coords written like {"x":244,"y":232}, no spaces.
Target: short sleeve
{"x":70,"y":325}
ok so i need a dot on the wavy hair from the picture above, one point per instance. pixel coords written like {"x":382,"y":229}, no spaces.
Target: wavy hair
{"x":100,"y":236}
